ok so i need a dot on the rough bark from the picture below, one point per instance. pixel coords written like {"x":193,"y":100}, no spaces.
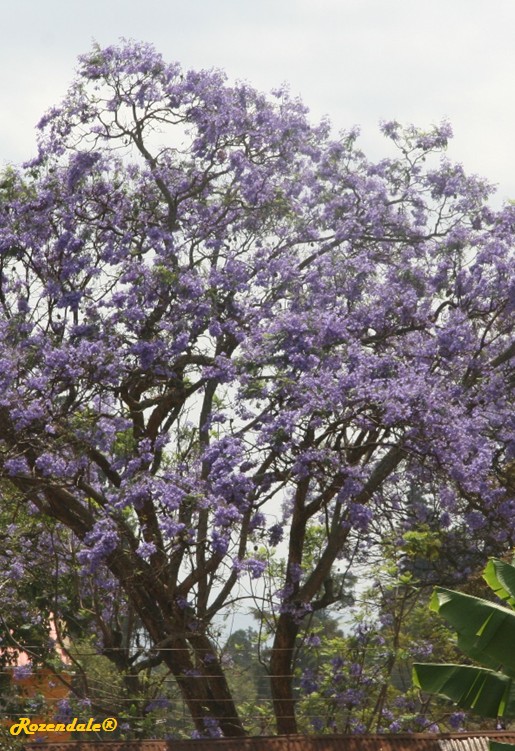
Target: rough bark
{"x":281,"y":674}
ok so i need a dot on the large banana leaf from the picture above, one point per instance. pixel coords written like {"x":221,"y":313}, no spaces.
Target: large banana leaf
{"x":486,"y":692}
{"x":496,"y":746}
{"x":500,"y":577}
{"x":486,"y":631}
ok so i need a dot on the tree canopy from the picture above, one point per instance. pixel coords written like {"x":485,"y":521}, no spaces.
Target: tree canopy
{"x":223,"y":328}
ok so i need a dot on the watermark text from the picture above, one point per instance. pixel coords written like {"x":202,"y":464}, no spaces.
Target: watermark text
{"x":27,"y":726}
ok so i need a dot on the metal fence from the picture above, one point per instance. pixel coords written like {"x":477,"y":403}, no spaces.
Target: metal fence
{"x":477,"y":741}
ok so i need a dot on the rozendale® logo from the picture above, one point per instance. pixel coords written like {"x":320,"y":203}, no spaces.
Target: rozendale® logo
{"x":25,"y":725}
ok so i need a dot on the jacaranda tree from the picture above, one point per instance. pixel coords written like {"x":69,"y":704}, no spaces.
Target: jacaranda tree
{"x":223,"y":327}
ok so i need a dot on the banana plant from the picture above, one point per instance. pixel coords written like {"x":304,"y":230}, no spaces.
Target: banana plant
{"x":486,"y":634}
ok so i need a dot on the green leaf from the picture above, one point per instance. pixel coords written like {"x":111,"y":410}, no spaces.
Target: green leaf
{"x":486,"y":692}
{"x":500,"y":577}
{"x":496,"y":746}
{"x":486,"y":631}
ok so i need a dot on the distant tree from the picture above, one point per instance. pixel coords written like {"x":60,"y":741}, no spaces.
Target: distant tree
{"x":222,"y":326}
{"x":245,"y":657}
{"x":359,"y":679}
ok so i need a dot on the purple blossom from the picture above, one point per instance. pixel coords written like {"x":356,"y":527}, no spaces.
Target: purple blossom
{"x":16,"y":466}
{"x":64,"y":711}
{"x":350,"y":697}
{"x":100,"y":543}
{"x":309,"y":682}
{"x":422,"y":651}
{"x":475,"y":520}
{"x":219,"y":543}
{"x":16,"y":570}
{"x":80,"y":164}
{"x":48,"y":464}
{"x":160,"y":702}
{"x":211,"y":729}
{"x":254,"y":566}
{"x":146,"y":550}
{"x":257,"y":521}
{"x":224,"y":516}
{"x":183,"y":603}
{"x":355,"y":669}
{"x":456,"y":720}
{"x":295,"y":572}
{"x":275,"y":534}
{"x":20,"y":672}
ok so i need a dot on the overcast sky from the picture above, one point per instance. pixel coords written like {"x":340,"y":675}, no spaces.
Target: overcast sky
{"x":358,"y":61}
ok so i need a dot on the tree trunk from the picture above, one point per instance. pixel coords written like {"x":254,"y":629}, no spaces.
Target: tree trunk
{"x":203,"y":685}
{"x":281,"y":674}
{"x":220,"y":702}
{"x":188,"y":653}
{"x":207,"y":699}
